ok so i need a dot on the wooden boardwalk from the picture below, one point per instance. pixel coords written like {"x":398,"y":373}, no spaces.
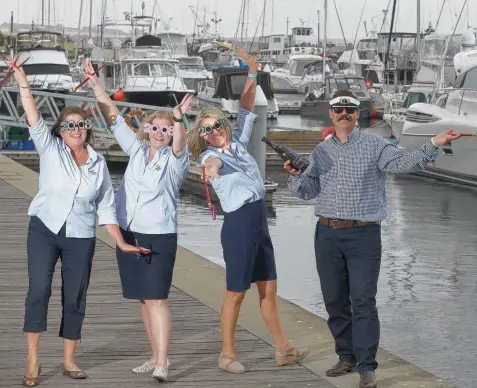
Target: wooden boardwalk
{"x":113,"y":338}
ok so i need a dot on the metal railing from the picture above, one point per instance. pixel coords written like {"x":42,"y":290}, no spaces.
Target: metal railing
{"x":51,"y":104}
{"x":440,"y":96}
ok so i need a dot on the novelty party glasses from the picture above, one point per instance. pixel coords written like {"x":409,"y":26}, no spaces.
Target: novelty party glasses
{"x":208,"y":129}
{"x":153,"y":128}
{"x":71,"y":125}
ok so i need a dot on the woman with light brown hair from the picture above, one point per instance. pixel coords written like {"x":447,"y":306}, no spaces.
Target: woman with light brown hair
{"x":247,"y":246}
{"x":147,"y":214}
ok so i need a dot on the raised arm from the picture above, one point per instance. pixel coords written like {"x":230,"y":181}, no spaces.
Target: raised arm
{"x":179,"y":139}
{"x":126,"y":137}
{"x":395,"y":160}
{"x":38,"y":129}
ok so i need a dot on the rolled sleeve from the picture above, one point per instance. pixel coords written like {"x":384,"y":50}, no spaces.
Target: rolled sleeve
{"x":244,"y":125}
{"x":105,"y":202}
{"x":41,"y":136}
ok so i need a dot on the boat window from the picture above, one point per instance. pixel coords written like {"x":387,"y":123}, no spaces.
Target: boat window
{"x":237,"y":83}
{"x":470,"y":80}
{"x":46,"y":68}
{"x":141,"y":69}
{"x":413,"y":98}
{"x":162,"y":70}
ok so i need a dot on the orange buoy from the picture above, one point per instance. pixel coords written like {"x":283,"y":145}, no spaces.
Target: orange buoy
{"x":119,"y":95}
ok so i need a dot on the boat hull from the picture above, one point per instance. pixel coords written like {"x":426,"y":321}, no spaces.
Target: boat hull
{"x":162,"y":98}
{"x":455,"y":162}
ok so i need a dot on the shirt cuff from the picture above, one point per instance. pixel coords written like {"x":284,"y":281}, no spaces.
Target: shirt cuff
{"x":246,"y":114}
{"x":118,"y":120}
{"x":35,"y":128}
{"x":107,"y":219}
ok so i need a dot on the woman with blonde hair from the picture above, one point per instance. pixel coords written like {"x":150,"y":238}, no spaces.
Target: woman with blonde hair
{"x":147,"y":214}
{"x":248,"y":250}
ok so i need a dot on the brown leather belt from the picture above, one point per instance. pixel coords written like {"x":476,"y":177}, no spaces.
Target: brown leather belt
{"x":341,"y":224}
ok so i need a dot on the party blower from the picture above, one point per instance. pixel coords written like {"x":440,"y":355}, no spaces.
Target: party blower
{"x":297,"y":161}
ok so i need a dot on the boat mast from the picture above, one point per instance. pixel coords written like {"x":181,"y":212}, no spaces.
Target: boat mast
{"x":90,"y":18}
{"x":79,"y":30}
{"x":263,"y":20}
{"x":418,"y":37}
{"x":42,"y":12}
{"x":325,"y":43}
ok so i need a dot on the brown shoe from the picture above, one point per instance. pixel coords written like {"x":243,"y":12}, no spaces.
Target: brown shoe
{"x":289,"y":356}
{"x":76,"y":375}
{"x":367,"y":380}
{"x":340,"y":368}
{"x":32,"y":381}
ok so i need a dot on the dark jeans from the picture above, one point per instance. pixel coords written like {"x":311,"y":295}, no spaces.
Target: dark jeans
{"x":348,"y":262}
{"x":76,"y":254}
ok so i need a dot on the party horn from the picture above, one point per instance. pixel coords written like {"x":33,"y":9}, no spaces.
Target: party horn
{"x":229,"y":47}
{"x":469,"y":134}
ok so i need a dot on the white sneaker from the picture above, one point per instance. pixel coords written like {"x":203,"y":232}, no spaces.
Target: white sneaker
{"x":160,"y":373}
{"x":148,"y":367}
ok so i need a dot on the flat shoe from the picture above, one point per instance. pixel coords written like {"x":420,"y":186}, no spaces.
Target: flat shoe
{"x":32,"y":381}
{"x":289,"y":356}
{"x":230,"y":364}
{"x":77,"y":375}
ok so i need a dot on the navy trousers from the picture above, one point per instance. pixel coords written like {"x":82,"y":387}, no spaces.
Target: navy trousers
{"x":348,"y":262}
{"x":76,"y":254}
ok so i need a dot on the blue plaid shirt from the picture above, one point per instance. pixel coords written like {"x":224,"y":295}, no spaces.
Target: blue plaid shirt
{"x":348,"y":179}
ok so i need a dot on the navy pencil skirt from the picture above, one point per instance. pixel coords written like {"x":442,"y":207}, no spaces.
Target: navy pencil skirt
{"x":147,"y":277}
{"x":247,"y":246}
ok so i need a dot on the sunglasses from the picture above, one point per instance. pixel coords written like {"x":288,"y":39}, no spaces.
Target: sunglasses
{"x":71,"y":125}
{"x":153,"y":128}
{"x":208,"y":129}
{"x":348,"y":109}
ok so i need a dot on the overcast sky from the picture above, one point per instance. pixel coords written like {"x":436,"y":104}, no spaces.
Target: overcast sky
{"x":297,"y":11}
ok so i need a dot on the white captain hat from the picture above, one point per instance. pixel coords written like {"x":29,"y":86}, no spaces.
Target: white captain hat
{"x":344,"y":101}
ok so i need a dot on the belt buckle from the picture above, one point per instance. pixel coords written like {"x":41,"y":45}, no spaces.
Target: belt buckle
{"x":332,"y":222}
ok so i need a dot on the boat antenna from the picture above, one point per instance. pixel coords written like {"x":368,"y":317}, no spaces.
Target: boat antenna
{"x":357,"y":30}
{"x":386,"y":58}
{"x":341,"y":26}
{"x":440,"y":13}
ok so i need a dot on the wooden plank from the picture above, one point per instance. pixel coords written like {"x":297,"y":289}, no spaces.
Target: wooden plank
{"x":113,"y":337}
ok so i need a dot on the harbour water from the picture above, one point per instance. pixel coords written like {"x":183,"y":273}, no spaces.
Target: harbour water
{"x":427,"y":296}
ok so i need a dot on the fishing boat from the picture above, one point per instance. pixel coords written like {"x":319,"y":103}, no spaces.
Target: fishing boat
{"x":143,"y":68}
{"x":226,"y":87}
{"x":316,"y":103}
{"x":47,"y":67}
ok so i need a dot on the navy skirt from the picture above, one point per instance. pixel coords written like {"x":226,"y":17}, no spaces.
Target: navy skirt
{"x":247,"y":246}
{"x":147,"y":277}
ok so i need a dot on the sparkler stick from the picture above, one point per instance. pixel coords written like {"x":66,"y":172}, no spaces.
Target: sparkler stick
{"x":87,"y":79}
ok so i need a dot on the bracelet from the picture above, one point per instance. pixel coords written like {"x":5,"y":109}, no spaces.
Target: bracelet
{"x":25,"y":87}
{"x":252,"y":75}
{"x":104,"y":91}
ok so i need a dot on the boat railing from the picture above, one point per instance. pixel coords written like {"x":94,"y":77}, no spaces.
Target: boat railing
{"x":440,"y":96}
{"x":202,"y":86}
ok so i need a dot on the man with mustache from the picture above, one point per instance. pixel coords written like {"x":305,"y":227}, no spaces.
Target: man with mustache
{"x":347,"y":176}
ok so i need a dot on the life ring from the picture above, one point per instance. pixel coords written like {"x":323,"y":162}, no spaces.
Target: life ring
{"x":134,"y":112}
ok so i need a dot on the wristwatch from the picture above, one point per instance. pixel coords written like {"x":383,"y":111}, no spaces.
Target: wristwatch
{"x":434,"y":144}
{"x":177,"y":120}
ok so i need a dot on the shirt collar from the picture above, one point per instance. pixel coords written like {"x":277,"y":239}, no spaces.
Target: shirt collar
{"x":233,"y":147}
{"x":352,"y":137}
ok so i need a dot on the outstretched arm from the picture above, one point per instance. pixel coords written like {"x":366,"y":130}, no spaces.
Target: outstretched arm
{"x":247,"y":100}
{"x":179,"y":139}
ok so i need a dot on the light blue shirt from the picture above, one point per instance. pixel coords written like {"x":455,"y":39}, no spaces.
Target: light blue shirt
{"x":240,"y":181}
{"x":68,"y":193}
{"x":348,"y":179}
{"x":147,"y":197}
